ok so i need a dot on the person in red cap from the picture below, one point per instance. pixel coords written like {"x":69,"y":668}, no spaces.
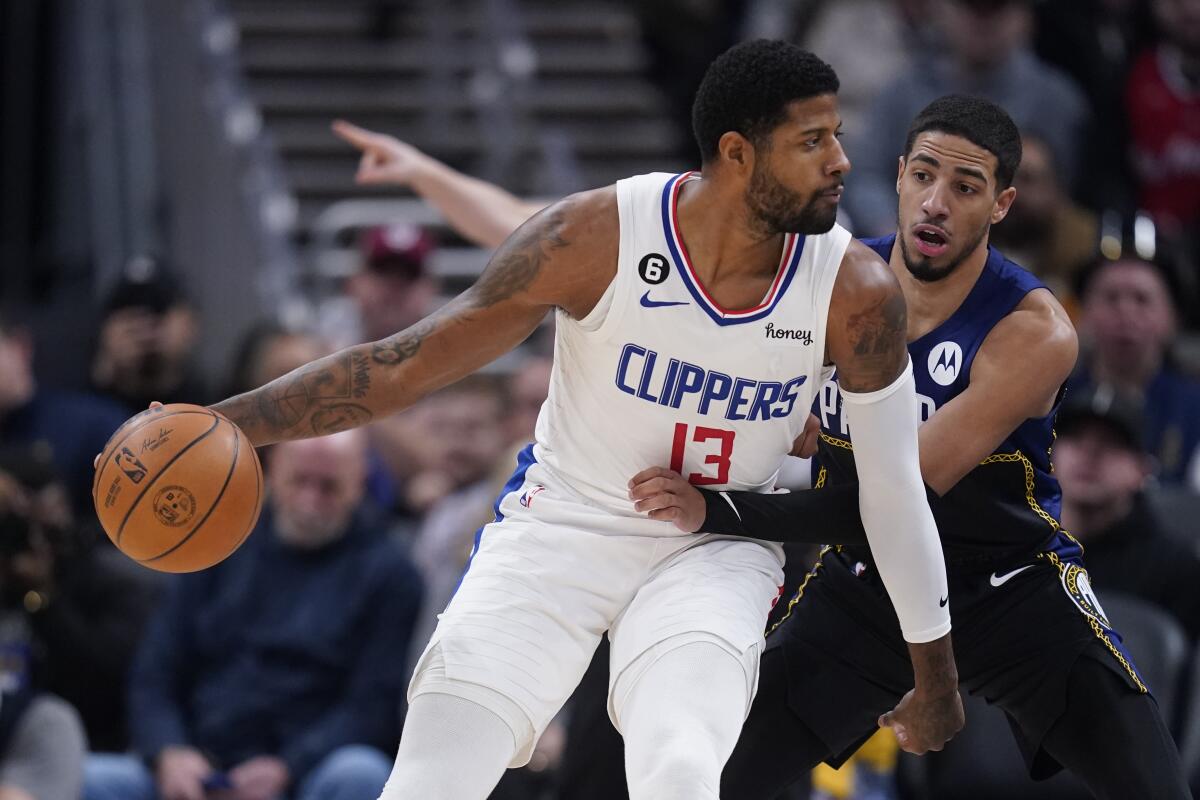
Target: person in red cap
{"x":393,"y":290}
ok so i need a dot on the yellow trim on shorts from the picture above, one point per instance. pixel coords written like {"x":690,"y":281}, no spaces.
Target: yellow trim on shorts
{"x":819,"y":483}
{"x":1097,"y":628}
{"x":800,"y":592}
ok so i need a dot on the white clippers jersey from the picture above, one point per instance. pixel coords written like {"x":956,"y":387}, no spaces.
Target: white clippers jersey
{"x":660,"y":375}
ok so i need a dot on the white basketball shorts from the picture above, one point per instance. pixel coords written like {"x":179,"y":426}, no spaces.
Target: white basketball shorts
{"x":552,"y":574}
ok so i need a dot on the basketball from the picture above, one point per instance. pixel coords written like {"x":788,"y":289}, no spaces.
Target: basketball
{"x":178,"y":488}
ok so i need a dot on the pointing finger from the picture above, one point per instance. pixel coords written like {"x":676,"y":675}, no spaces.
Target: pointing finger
{"x":359,"y":137}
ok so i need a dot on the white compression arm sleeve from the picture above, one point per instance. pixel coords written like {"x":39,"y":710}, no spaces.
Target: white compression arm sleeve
{"x":895,"y":512}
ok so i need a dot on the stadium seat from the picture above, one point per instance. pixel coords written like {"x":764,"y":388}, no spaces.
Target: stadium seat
{"x":1178,"y":508}
{"x":1158,"y":644}
{"x":1189,"y":739}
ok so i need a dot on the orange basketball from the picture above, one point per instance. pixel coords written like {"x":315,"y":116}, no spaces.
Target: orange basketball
{"x":178,"y":488}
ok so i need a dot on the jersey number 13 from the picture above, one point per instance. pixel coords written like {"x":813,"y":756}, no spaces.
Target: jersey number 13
{"x":720,"y":459}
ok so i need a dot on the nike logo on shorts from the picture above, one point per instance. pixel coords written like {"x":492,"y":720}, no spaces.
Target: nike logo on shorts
{"x":1000,"y":580}
{"x":648,"y":303}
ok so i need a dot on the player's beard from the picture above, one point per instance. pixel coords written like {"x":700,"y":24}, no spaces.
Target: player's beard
{"x":780,"y":210}
{"x":921,"y":267}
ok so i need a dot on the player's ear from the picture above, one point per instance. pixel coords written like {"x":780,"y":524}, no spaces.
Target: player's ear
{"x":737,"y":150}
{"x":899,"y":172}
{"x":1003,"y":203}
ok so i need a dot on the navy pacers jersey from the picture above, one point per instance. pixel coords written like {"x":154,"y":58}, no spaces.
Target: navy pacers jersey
{"x":1008,"y":506}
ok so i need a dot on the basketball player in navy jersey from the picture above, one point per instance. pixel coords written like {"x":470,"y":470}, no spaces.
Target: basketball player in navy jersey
{"x":670,"y":294}
{"x":991,"y":348}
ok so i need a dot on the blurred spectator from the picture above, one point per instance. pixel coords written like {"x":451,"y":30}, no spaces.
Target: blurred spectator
{"x":69,"y":428}
{"x":466,"y":426}
{"x":1094,"y":42}
{"x":390,"y":292}
{"x":1099,"y":461}
{"x":267,"y":351}
{"x":527,"y":390}
{"x":147,"y":339}
{"x":42,"y":748}
{"x":868,"y":42}
{"x":42,"y":743}
{"x":281,"y":669}
{"x":475,"y":431}
{"x":985,"y":53}
{"x":682,"y":38}
{"x":1128,"y":323}
{"x":85,"y":603}
{"x":1044,"y":231}
{"x":393,"y":289}
{"x":1163,"y":104}
{"x":869,"y":774}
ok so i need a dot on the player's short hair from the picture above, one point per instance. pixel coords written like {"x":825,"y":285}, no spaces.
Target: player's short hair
{"x":747,"y":89}
{"x":979,"y":121}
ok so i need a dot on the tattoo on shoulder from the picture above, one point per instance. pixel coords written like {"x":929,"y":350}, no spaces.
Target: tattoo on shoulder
{"x":878,"y":336}
{"x":874,"y":331}
{"x":520,"y":259}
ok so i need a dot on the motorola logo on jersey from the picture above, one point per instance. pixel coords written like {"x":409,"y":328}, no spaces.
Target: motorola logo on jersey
{"x":654,"y":268}
{"x":945,"y":362}
{"x":646,"y":375}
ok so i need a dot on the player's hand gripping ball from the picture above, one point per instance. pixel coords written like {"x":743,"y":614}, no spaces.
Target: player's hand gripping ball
{"x":178,"y":488}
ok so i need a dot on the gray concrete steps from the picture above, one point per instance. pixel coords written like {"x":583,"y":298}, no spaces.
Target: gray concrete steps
{"x":322,"y":19}
{"x":287,"y":55}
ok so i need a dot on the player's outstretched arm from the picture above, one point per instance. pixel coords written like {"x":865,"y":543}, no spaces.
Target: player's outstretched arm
{"x":867,"y":335}
{"x":479,"y":211}
{"x":565,"y":256}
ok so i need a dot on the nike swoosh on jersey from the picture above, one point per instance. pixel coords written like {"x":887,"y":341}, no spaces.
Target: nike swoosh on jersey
{"x":1000,"y":580}
{"x":648,"y":303}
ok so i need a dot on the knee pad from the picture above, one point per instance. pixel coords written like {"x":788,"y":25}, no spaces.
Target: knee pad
{"x":622,"y":685}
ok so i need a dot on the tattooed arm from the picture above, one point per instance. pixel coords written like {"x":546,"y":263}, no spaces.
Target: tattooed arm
{"x":565,"y":256}
{"x":867,"y":334}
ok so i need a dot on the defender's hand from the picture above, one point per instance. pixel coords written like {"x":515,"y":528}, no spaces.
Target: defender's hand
{"x":665,"y":495}
{"x":385,"y":159}
{"x":924,"y":722}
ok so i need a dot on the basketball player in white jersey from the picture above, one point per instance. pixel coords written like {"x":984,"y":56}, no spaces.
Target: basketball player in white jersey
{"x":696,"y":316}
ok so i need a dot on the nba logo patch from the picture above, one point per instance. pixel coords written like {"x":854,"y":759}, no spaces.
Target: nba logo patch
{"x":527,"y":497}
{"x":945,"y":362}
